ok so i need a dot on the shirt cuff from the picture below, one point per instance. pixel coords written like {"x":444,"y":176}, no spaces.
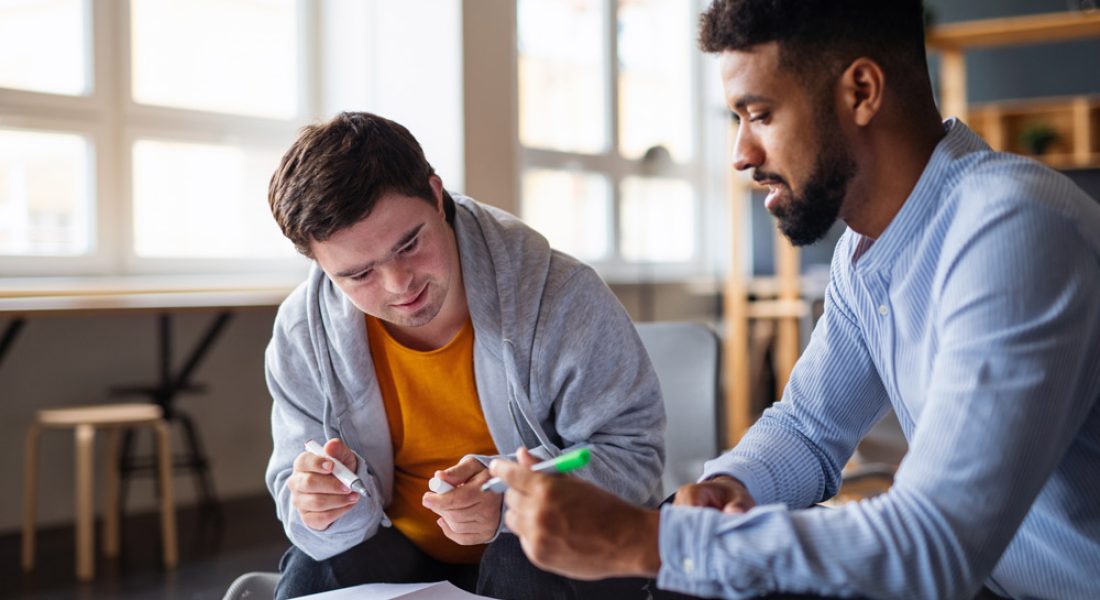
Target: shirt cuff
{"x":752,"y":474}
{"x":694,"y":559}
{"x":685,"y":533}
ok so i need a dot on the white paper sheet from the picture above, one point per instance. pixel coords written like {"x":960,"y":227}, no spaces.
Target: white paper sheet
{"x":439,"y":590}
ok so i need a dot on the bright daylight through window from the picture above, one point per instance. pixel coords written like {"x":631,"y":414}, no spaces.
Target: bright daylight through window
{"x":124,"y":142}
{"x":611,"y":168}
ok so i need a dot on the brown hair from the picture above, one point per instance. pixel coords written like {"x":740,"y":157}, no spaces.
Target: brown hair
{"x":335,"y":172}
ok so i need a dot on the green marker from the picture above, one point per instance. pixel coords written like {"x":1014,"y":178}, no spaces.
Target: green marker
{"x":570,"y":461}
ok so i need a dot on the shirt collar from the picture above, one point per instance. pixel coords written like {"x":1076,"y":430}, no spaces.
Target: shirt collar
{"x":939,"y":174}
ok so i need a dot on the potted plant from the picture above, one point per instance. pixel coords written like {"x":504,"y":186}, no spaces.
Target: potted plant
{"x":1038,"y":137}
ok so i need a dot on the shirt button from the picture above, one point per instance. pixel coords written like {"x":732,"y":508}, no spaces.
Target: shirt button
{"x":689,"y":565}
{"x":882,"y":310}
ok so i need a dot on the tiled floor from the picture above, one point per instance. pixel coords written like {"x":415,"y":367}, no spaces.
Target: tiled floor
{"x":211,"y":556}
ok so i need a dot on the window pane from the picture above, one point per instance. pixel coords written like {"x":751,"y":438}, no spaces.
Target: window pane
{"x":658,"y":220}
{"x":43,"y":46}
{"x":204,"y":201}
{"x":655,"y":48}
{"x":571,"y":209}
{"x":562,"y":71}
{"x":45,"y":194}
{"x":231,"y":56}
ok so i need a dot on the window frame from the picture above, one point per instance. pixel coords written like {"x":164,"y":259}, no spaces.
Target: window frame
{"x":699,"y":172}
{"x":112,"y":121}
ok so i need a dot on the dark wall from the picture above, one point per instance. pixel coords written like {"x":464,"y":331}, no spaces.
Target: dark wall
{"x":1063,"y":69}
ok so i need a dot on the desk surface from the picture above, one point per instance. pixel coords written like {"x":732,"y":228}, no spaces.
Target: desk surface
{"x":69,"y":296}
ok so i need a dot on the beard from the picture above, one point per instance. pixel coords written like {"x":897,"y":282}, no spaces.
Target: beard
{"x":808,"y":216}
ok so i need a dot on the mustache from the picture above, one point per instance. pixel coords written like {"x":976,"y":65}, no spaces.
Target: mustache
{"x":763,"y":177}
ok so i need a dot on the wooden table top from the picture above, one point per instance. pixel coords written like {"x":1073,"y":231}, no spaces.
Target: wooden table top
{"x":97,"y":295}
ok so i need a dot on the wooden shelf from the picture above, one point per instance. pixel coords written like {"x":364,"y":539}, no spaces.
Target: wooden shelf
{"x":952,"y":41}
{"x":1012,"y":31}
{"x":1075,"y":120}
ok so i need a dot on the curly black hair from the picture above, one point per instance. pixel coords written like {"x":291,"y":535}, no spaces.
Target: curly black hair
{"x":818,"y":39}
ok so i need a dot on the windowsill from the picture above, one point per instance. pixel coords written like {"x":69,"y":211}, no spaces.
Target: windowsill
{"x":16,"y":287}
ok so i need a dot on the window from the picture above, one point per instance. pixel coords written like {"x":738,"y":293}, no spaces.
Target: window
{"x":611,"y":115}
{"x":139,"y":136}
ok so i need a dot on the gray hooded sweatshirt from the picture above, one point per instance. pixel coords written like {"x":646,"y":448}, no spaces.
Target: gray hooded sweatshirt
{"x":557,"y":363}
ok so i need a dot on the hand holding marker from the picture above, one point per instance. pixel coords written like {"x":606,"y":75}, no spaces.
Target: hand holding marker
{"x":344,"y":474}
{"x":567,"y":462}
{"x":439,"y":486}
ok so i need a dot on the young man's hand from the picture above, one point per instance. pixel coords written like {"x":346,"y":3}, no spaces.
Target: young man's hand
{"x":317,"y":494}
{"x":574,"y":528}
{"x":723,"y":493}
{"x":467,"y":515}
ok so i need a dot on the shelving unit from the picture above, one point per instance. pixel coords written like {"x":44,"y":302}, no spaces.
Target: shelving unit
{"x":953,"y":40}
{"x":779,"y":299}
{"x":1077,"y":121}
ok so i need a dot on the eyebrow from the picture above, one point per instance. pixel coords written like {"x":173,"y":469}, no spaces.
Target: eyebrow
{"x":405,"y":239}
{"x":746,"y":100}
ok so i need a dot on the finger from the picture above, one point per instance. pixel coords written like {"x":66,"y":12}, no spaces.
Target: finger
{"x":465,"y":539}
{"x":465,"y":522}
{"x":308,"y":462}
{"x":516,"y":476}
{"x":462,"y":472}
{"x":321,"y":520}
{"x":515,"y":523}
{"x":337,"y":449}
{"x":325,"y":502}
{"x":702,"y":495}
{"x":524,"y":457}
{"x":687,"y":495}
{"x":320,"y":483}
{"x":462,"y":497}
{"x":516,"y":502}
{"x":468,"y":498}
{"x":739,"y":504}
{"x":441,"y":503}
{"x":732,"y":508}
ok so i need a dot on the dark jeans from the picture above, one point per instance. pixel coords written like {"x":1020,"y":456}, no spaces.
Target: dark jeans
{"x":505,"y":572}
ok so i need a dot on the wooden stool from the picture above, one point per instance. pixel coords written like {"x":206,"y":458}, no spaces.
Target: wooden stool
{"x":85,"y":420}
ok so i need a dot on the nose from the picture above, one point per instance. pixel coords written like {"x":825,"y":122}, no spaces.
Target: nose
{"x":746,"y":150}
{"x":396,"y":279}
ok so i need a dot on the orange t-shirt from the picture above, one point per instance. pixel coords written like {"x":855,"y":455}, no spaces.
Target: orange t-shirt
{"x":435,"y":419}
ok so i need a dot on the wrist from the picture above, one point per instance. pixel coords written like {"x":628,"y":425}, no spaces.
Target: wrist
{"x":645,"y":560}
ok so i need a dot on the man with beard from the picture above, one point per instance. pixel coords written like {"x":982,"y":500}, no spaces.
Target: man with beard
{"x":432,"y":333}
{"x":963,"y":295}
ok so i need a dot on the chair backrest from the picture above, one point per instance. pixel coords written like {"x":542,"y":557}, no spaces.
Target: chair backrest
{"x":686,"y":358}
{"x":257,"y":585}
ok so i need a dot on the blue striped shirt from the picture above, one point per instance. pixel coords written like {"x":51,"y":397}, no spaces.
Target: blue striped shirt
{"x":976,"y":317}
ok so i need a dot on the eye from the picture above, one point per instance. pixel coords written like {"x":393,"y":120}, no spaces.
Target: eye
{"x":362,"y":276}
{"x":736,"y":118}
{"x":407,"y":248}
{"x":760,"y":117}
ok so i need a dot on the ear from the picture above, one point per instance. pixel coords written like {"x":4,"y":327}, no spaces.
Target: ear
{"x":437,"y":192}
{"x":861,"y":89}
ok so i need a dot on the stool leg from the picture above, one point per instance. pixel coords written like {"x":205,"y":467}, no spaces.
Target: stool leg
{"x":110,"y":494}
{"x":167,"y":504}
{"x":125,"y":467}
{"x":197,"y":458}
{"x":85,"y":502}
{"x":30,"y":495}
